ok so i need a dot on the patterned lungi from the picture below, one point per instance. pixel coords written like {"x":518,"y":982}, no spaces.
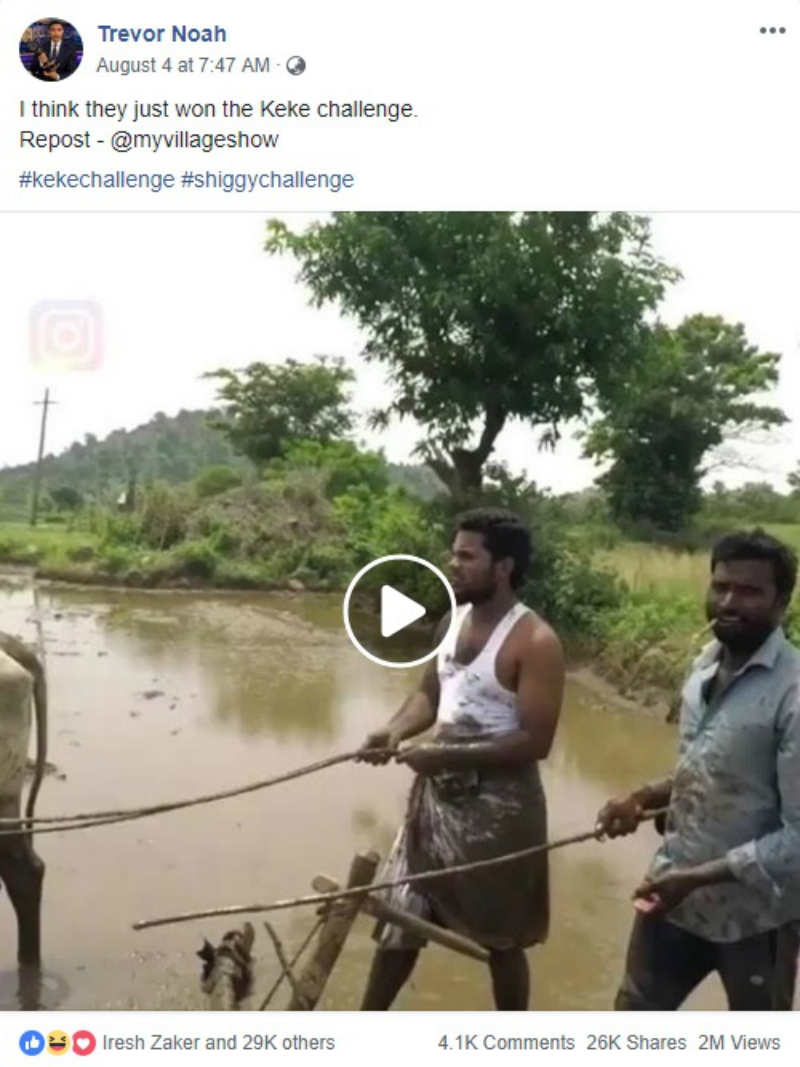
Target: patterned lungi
{"x":460,"y":817}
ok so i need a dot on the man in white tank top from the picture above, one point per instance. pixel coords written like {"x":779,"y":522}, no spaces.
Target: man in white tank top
{"x":494,"y":695}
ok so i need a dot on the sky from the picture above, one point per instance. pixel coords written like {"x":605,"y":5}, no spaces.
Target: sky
{"x":151,"y":302}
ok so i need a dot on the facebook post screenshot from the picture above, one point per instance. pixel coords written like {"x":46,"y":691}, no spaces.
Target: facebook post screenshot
{"x":399,"y":531}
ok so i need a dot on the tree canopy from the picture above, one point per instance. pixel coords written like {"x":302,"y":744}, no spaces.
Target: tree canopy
{"x":268,"y":406}
{"x":693,"y":386}
{"x":485,"y":317}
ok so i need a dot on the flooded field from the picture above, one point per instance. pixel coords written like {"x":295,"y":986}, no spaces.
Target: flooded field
{"x":162,"y":696}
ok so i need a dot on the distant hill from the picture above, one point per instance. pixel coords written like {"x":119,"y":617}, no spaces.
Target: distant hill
{"x":174,"y":449}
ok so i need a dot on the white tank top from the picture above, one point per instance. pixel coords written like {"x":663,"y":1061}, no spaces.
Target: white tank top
{"x":470,"y":695}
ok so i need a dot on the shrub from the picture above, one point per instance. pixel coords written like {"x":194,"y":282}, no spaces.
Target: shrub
{"x":162,"y":516}
{"x":330,"y":561}
{"x":196,"y":559}
{"x":571,"y":592}
{"x":342,"y":464}
{"x":16,"y":551}
{"x":81,"y":553}
{"x":114,"y":529}
{"x":276,"y":517}
{"x":241,"y":574}
{"x":114,"y":559}
{"x":215,"y":480}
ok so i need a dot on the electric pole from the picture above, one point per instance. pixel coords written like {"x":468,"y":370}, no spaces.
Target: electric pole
{"x":46,"y":403}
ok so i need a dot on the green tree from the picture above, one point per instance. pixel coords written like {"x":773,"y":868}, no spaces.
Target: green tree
{"x":65,"y":498}
{"x":753,"y":504}
{"x":694,"y":386}
{"x":794,"y":482}
{"x":484,"y":317}
{"x":267,"y":406}
{"x":344,"y":465}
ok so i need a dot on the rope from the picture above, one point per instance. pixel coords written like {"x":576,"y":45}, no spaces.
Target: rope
{"x":86,"y":820}
{"x":104,"y":818}
{"x":344,"y":894}
{"x":37,"y":618}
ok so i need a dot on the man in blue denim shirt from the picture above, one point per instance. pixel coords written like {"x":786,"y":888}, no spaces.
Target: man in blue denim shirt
{"x":723,"y":890}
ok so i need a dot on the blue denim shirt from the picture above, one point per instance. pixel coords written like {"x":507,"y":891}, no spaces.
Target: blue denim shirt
{"x":736,"y":794}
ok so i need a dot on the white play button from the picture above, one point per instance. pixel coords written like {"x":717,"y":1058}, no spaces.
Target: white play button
{"x":397,"y":611}
{"x":383,"y":602}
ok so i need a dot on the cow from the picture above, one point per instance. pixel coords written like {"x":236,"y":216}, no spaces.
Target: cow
{"x":21,"y":870}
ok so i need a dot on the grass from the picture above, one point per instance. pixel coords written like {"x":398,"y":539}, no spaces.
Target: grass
{"x":649,"y":569}
{"x":785,"y":531}
{"x":652,"y":569}
{"x":21,"y":543}
{"x":81,"y":557}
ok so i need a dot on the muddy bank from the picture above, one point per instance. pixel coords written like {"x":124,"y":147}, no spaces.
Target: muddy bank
{"x":656,"y":704}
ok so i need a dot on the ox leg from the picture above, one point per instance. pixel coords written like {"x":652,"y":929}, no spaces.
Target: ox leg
{"x":22,"y":873}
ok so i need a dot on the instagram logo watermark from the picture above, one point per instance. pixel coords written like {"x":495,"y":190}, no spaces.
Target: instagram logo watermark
{"x":66,"y":335}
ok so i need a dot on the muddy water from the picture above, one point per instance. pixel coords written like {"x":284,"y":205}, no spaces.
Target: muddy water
{"x":157,"y":696}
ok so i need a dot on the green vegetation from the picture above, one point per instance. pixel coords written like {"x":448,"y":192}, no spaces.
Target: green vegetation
{"x":322,"y":512}
{"x":313,"y":517}
{"x":486,"y":317}
{"x":692,"y":393}
{"x":267,"y":407}
{"x":479,"y":320}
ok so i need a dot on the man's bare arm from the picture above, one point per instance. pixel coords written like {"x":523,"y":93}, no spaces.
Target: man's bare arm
{"x":541,"y":691}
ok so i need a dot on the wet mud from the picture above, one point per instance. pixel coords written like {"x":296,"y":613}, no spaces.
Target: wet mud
{"x":157,"y":696}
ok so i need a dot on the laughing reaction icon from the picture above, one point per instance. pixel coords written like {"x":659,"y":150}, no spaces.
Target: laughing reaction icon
{"x":57,"y":1042}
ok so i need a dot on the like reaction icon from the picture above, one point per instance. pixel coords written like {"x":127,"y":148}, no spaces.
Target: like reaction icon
{"x":31,"y":1043}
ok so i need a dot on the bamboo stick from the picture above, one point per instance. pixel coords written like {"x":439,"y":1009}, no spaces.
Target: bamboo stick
{"x":409,"y":879}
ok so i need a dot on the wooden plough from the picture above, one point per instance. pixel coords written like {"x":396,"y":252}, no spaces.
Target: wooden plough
{"x":228,"y":967}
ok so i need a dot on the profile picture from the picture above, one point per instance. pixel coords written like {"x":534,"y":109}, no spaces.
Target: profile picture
{"x":51,"y":49}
